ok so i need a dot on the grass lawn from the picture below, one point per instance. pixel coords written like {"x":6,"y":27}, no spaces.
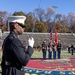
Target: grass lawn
{"x":38,"y":54}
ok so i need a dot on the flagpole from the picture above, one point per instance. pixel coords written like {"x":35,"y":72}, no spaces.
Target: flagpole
{"x":50,"y":35}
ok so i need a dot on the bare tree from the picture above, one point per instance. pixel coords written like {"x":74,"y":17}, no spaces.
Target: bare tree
{"x":3,"y":17}
{"x":58,"y":18}
{"x":49,"y":14}
{"x":39,"y":13}
{"x":70,"y":18}
{"x":65,"y":20}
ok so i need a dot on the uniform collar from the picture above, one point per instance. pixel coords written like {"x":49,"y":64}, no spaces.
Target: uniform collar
{"x":15,"y":34}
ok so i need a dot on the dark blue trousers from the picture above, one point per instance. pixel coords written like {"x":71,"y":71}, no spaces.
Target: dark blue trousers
{"x":50,"y":54}
{"x":59,"y":54}
{"x":44,"y":55}
{"x":54,"y":55}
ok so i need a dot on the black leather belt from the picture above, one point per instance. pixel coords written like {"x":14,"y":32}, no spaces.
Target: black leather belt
{"x":11,"y":64}
{"x":7,"y":63}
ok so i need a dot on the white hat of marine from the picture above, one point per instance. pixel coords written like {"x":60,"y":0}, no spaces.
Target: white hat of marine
{"x":18,"y":19}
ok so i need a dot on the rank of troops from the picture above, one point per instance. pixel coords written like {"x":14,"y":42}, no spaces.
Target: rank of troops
{"x":54,"y":51}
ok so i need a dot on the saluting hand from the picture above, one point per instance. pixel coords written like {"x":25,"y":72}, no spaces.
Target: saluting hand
{"x":31,"y":42}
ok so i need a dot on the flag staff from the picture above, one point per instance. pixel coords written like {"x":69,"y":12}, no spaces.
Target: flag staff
{"x":51,"y":35}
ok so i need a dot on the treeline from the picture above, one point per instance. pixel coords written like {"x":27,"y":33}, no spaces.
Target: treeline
{"x":41,"y":20}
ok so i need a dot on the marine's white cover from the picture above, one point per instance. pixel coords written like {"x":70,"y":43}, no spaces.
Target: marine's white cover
{"x":19,"y":19}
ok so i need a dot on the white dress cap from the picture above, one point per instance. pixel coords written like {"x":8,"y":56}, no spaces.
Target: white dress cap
{"x":18,"y":19}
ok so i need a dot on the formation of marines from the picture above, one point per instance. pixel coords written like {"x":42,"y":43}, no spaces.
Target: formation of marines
{"x":53,"y":50}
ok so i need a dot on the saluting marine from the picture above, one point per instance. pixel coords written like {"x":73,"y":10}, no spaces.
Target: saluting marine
{"x":14,"y":54}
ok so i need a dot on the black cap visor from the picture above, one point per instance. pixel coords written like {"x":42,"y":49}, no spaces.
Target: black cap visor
{"x":23,"y":26}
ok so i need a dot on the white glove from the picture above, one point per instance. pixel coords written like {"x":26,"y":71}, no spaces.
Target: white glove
{"x":31,"y":42}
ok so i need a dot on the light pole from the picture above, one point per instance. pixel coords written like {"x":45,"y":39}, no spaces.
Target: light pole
{"x":34,"y":21}
{"x":54,"y":7}
{"x":54,"y":24}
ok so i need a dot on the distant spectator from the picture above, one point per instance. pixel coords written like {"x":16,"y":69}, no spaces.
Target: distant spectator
{"x":69,"y":49}
{"x":72,"y":49}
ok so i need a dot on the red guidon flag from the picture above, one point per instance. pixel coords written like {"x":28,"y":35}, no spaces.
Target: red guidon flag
{"x":56,"y":38}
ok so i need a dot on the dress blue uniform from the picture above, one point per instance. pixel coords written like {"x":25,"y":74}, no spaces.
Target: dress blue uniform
{"x":59,"y":50}
{"x":44,"y":50}
{"x":14,"y":55}
{"x":49,"y":51}
{"x":54,"y":51}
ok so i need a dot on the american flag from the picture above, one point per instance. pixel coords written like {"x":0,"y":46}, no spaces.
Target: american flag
{"x":50,"y":35}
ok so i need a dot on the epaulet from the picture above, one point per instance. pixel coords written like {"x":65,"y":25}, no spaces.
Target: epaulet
{"x":15,"y":36}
